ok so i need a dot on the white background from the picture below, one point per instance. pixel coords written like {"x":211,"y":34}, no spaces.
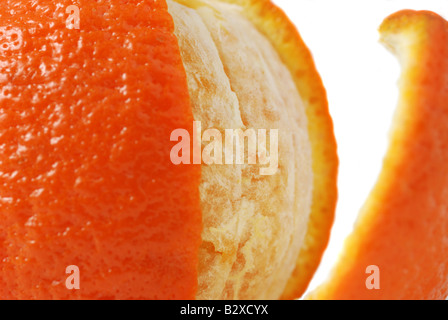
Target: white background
{"x":360,"y":76}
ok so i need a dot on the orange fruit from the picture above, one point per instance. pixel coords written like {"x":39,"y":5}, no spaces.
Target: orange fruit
{"x":86,"y":175}
{"x":403,"y":225}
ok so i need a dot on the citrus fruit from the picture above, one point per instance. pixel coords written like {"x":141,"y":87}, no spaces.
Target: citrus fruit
{"x":89,"y":99}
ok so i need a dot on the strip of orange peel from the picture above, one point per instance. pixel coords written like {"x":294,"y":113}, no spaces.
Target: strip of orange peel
{"x":403,"y":227}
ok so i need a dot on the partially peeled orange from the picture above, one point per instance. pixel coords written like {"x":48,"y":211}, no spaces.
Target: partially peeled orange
{"x":88,"y":122}
{"x":86,"y":176}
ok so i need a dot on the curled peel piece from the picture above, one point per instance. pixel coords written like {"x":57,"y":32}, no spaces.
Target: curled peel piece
{"x":404,"y":224}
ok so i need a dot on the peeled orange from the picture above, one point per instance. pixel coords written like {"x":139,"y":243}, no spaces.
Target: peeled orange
{"x":86,"y":176}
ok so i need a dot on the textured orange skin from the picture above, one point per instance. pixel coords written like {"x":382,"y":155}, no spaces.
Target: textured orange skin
{"x":86,"y":177}
{"x":404,"y":225}
{"x":282,"y":33}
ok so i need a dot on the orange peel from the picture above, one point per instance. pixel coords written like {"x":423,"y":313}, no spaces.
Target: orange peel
{"x":403,"y":225}
{"x":86,"y":176}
